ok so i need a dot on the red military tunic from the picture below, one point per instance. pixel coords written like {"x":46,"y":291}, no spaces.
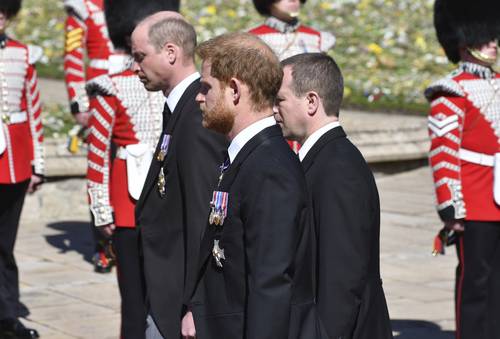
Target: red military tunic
{"x":86,"y":32}
{"x":21,"y":132}
{"x":464,"y":126}
{"x":287,"y":40}
{"x":123,"y":113}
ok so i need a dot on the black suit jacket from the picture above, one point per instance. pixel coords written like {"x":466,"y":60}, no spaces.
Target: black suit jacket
{"x":264,"y":289}
{"x":346,"y":212}
{"x":171,"y":227}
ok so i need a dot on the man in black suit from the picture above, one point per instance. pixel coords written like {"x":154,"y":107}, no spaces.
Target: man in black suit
{"x":171,"y":211}
{"x":255,"y":277}
{"x":346,"y":212}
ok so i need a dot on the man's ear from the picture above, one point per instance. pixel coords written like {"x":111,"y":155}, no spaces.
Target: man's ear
{"x":313,"y":101}
{"x":171,"y":51}
{"x":235,"y":87}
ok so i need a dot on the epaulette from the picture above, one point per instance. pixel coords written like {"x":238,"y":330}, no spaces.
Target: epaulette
{"x":78,"y":7}
{"x":100,"y":85}
{"x":445,"y":85}
{"x":35,"y":53}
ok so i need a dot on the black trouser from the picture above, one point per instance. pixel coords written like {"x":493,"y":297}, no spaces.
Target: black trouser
{"x":11,"y":204}
{"x":477,"y":291}
{"x":131,"y":283}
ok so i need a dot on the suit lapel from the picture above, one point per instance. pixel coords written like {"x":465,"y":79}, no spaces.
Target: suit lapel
{"x":335,"y":133}
{"x":154,"y":169}
{"x":227,"y":181}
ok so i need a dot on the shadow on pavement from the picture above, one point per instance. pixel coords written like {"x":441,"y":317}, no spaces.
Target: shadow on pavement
{"x":419,"y":329}
{"x":74,"y":236}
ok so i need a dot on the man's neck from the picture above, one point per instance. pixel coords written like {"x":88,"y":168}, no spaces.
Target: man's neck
{"x":246,"y":119}
{"x":179,"y":75}
{"x":316,"y":125}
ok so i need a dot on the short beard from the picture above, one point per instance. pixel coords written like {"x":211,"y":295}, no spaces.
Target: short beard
{"x":219,"y":119}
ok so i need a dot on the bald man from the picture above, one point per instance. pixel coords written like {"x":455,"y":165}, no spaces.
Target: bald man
{"x":172,"y":209}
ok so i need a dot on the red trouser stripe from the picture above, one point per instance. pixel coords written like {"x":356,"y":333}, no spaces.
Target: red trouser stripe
{"x":459,"y":288}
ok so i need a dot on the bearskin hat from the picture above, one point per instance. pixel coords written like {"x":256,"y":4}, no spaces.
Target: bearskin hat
{"x":123,"y":15}
{"x":262,"y":6}
{"x":10,"y":8}
{"x":461,"y":23}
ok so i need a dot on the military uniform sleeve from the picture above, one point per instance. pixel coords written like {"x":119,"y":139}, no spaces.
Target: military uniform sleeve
{"x":74,"y":70}
{"x":445,"y":123}
{"x":34,"y":110}
{"x":101,"y":124}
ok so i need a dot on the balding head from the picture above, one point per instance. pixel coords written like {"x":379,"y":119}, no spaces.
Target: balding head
{"x":248,"y":59}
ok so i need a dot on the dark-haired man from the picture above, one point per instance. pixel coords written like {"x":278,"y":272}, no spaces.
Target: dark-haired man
{"x":350,"y":298}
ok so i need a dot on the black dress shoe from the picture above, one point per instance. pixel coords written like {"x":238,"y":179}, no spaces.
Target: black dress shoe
{"x":14,"y":329}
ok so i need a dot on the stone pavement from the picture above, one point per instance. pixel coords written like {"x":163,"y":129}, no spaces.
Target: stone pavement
{"x":68,"y":300}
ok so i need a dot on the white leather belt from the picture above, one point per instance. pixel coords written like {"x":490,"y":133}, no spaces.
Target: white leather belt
{"x":121,"y":153}
{"x":477,"y":158}
{"x":99,"y":63}
{"x":14,"y":118}
{"x":488,"y":161}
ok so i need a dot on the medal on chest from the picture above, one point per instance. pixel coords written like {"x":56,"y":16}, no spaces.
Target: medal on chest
{"x":218,"y":208}
{"x":161,"y":183}
{"x":165,"y":142}
{"x":218,"y":254}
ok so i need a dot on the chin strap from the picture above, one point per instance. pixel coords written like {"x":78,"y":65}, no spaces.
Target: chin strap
{"x":482,"y":57}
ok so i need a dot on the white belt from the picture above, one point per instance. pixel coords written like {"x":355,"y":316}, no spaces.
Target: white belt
{"x":121,"y":153}
{"x":477,"y":158}
{"x":488,"y":161}
{"x":99,"y":63}
{"x":15,"y":118}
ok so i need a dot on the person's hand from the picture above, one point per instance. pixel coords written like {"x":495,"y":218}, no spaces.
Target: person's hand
{"x":188,"y":330}
{"x":456,"y":225}
{"x":82,"y":118}
{"x":35,"y":182}
{"x":107,"y":230}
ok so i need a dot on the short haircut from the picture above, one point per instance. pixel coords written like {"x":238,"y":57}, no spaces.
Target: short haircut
{"x":317,"y":72}
{"x":248,"y":59}
{"x":173,"y":30}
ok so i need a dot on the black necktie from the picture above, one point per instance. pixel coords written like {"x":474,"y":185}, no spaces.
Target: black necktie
{"x":166,"y":115}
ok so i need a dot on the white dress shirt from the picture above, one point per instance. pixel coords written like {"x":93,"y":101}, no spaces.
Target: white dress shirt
{"x":176,"y":93}
{"x":313,"y":138}
{"x":246,"y":134}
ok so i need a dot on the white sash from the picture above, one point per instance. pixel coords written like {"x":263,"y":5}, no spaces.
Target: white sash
{"x":3,"y":142}
{"x":139,"y":157}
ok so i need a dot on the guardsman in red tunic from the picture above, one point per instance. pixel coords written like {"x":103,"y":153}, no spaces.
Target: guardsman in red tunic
{"x":126,"y":115}
{"x":284,"y":33}
{"x":86,"y":38}
{"x":21,"y":160}
{"x":464,"y":127}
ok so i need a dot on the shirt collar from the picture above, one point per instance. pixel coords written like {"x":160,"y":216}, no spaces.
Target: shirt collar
{"x":282,"y":26}
{"x":313,"y":138}
{"x":476,"y":69}
{"x":175,"y":95}
{"x":248,"y":133}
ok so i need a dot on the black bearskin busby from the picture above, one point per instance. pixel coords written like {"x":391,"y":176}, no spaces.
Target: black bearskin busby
{"x":123,"y":15}
{"x":262,"y":6}
{"x":10,"y":8}
{"x":461,"y":23}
